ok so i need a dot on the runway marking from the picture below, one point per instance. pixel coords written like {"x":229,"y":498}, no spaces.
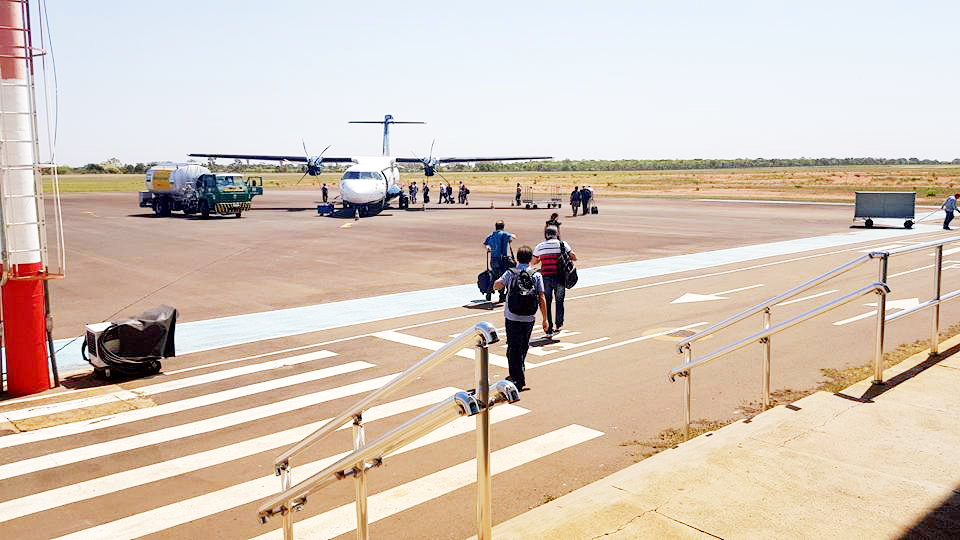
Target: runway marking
{"x":812,"y":296}
{"x":693,"y":297}
{"x":906,"y":303}
{"x":168,"y":386}
{"x":530,"y":365}
{"x":178,"y":513}
{"x":883,"y":248}
{"x":83,"y":453}
{"x":120,"y":481}
{"x":240,"y":329}
{"x":431,"y":345}
{"x":395,"y":500}
{"x":562,"y":346}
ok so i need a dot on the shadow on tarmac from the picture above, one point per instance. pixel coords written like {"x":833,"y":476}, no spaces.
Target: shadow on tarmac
{"x":891,"y":383}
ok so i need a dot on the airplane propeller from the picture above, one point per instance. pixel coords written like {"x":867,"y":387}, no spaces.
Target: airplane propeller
{"x":431,"y":164}
{"x":314,"y":164}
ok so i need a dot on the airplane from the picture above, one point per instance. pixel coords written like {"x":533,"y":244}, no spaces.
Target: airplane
{"x":371,"y":182}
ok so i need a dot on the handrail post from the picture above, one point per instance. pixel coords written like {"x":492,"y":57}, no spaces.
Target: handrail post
{"x":766,"y":360}
{"x":484,"y":486}
{"x":937,"y":274}
{"x":286,"y":518}
{"x":360,"y":479}
{"x":687,"y":357}
{"x":881,"y":321}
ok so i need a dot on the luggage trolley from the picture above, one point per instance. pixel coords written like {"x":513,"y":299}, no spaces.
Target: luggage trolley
{"x":547,"y":196}
{"x":872,"y":205}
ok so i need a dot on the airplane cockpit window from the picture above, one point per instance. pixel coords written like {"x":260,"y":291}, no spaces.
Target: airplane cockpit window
{"x":363,"y":175}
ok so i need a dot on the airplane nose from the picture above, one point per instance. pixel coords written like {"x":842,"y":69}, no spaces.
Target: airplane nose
{"x":361,"y":191}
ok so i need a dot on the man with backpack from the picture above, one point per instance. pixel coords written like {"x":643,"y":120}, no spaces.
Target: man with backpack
{"x":549,"y":254}
{"x":524,"y":288}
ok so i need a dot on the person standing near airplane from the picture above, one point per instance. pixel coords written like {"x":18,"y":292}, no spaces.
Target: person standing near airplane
{"x":413,"y":192}
{"x":519,"y":193}
{"x":426,"y":192}
{"x":949,"y":206}
{"x":323,"y":192}
{"x":575,"y":200}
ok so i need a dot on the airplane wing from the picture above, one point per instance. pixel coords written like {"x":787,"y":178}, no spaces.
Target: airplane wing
{"x":300,"y":159}
{"x":469,"y":159}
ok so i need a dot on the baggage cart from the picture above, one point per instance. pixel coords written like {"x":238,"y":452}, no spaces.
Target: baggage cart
{"x":870,"y":205}
{"x":546,"y":196}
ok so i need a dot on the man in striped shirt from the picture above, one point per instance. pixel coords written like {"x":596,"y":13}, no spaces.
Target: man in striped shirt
{"x":547,"y":254}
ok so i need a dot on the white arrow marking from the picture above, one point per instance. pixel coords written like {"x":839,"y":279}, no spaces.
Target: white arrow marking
{"x":906,"y":303}
{"x":693,"y":297}
{"x":794,"y":301}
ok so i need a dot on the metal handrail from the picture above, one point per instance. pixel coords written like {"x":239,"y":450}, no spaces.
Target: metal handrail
{"x":365,"y":457}
{"x":881,"y":287}
{"x":483,"y":330}
{"x":684,"y":369}
{"x":753,"y":310}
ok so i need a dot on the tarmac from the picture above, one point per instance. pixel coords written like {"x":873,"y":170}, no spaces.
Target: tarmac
{"x":872,"y":461}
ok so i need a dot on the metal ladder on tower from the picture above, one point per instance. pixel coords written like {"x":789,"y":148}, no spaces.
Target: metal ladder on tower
{"x":8,"y":116}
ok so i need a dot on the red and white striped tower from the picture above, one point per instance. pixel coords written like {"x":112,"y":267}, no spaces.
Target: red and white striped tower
{"x":22,"y":295}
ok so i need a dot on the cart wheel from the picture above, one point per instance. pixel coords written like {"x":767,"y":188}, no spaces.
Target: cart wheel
{"x":534,"y":206}
{"x":908,"y":224}
{"x":527,"y":206}
{"x":868,"y":223}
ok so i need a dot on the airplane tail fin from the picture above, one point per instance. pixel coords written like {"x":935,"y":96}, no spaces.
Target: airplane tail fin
{"x":387,"y":120}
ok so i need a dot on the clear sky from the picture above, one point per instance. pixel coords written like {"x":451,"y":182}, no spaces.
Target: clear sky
{"x":152,"y":81}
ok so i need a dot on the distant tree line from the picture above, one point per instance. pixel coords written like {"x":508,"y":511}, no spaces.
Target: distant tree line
{"x":114,"y":166}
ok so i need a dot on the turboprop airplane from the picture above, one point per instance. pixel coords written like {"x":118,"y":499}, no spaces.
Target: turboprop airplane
{"x":371,"y":182}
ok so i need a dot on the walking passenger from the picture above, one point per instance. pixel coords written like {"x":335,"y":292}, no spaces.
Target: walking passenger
{"x":497,"y":245}
{"x":575,"y":200}
{"x":426,"y":193}
{"x":547,"y":253}
{"x":524,"y":289}
{"x":585,"y":195}
{"x":449,"y":194}
{"x":413,"y":192}
{"x":323,"y":192}
{"x":553,"y":222}
{"x":519,"y":193}
{"x":949,"y":206}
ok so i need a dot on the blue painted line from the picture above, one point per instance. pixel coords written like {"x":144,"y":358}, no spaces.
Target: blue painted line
{"x":239,"y":329}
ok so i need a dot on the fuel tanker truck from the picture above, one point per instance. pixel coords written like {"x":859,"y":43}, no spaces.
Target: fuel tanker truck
{"x":193,"y":189}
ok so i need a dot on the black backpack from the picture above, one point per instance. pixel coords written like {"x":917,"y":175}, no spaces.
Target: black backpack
{"x":566,"y":268}
{"x":522,"y":295}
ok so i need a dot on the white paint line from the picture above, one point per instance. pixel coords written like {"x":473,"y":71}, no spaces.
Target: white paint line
{"x":738,"y":290}
{"x":854,"y":319}
{"x":950,"y":251}
{"x":812,"y":296}
{"x":83,"y":453}
{"x":167,"y":386}
{"x":395,"y":500}
{"x":103,"y":485}
{"x":561,"y":346}
{"x":611,"y":346}
{"x":178,"y":513}
{"x":255,"y":356}
{"x":431,"y":345}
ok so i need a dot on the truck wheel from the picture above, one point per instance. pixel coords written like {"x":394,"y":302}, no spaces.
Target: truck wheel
{"x":156,"y":206}
{"x":163,"y":207}
{"x":204,"y":209}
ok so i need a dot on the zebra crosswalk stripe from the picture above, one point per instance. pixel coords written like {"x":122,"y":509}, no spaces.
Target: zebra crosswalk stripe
{"x":392,"y":501}
{"x":120,"y":481}
{"x":167,"y":386}
{"x":76,"y":455}
{"x":181,"y":512}
{"x":176,"y":406}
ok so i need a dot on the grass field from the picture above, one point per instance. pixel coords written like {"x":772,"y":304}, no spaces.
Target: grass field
{"x":931,"y":183}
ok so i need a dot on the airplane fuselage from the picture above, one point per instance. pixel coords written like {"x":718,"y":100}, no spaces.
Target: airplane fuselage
{"x":372,"y":180}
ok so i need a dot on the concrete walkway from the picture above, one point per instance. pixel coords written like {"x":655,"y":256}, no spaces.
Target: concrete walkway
{"x":868,"y":462}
